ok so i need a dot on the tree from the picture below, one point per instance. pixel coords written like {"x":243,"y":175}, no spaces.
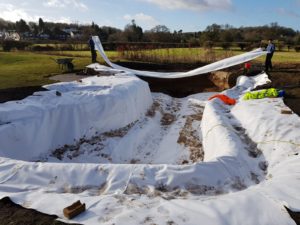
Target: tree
{"x":86,"y":32}
{"x":159,"y":33}
{"x":160,"y":29}
{"x":21,"y":26}
{"x":117,"y":37}
{"x":237,"y":35}
{"x":297,"y":39}
{"x":212,"y":32}
{"x":41,"y":25}
{"x":133,"y":33}
{"x":226,"y":36}
{"x":6,"y":25}
{"x":106,"y":32}
{"x":33,"y":28}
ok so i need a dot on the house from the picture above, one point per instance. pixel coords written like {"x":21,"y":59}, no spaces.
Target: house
{"x":43,"y":35}
{"x":74,"y":33}
{"x":27,"y":35}
{"x":10,"y":35}
{"x":2,"y":35}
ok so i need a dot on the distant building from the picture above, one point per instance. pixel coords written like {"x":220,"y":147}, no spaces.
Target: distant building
{"x":70,"y":29}
{"x":27,"y":35}
{"x":60,"y":35}
{"x":43,"y":36}
{"x":73,"y":33}
{"x":10,"y":35}
{"x":76,"y":35}
{"x":2,"y":35}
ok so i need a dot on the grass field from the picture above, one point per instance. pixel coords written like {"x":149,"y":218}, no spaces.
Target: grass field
{"x":192,"y":55}
{"x":19,"y":69}
{"x":87,"y":54}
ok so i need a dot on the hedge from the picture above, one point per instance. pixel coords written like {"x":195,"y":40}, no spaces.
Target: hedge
{"x":8,"y":45}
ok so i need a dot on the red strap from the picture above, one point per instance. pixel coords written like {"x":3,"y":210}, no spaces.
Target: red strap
{"x":224,"y":98}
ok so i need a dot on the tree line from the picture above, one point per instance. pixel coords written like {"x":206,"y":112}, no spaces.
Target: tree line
{"x":214,"y":35}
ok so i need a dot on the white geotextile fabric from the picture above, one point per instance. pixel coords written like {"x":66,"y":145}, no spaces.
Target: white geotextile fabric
{"x":222,"y":64}
{"x":226,"y":168}
{"x":45,"y":121}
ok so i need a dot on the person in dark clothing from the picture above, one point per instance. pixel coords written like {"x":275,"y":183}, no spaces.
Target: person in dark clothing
{"x":270,"y":49}
{"x":93,"y":51}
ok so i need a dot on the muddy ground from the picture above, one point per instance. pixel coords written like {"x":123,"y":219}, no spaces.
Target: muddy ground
{"x":286,"y":77}
{"x":13,"y":214}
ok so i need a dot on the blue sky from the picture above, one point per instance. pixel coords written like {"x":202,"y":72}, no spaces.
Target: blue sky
{"x":188,"y":15}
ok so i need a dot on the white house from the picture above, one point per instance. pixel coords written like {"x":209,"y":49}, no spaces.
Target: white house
{"x":10,"y":35}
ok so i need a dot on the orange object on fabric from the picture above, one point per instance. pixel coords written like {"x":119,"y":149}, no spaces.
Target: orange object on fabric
{"x":224,"y":98}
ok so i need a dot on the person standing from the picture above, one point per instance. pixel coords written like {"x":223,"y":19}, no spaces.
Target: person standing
{"x":270,"y":49}
{"x":92,"y":48}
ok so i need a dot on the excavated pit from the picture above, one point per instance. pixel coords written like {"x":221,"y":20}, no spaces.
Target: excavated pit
{"x":168,"y":134}
{"x":170,"y":115}
{"x":164,"y":117}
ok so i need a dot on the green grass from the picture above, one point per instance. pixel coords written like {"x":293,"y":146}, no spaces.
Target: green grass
{"x":176,"y":55}
{"x":19,"y":69}
{"x":190,"y":55}
{"x":111,"y":54}
{"x":286,"y":57}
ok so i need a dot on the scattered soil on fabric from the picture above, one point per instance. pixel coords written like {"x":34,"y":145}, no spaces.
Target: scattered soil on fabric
{"x":167,"y":119}
{"x":189,"y":137}
{"x":68,"y":77}
{"x":152,"y":111}
{"x":197,"y":189}
{"x":167,"y":193}
{"x":73,"y":151}
{"x":251,"y":146}
{"x":14,"y":214}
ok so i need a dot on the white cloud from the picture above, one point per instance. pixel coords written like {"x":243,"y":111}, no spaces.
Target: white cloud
{"x":289,"y":13}
{"x":66,"y":3}
{"x":55,"y":4}
{"x":11,"y":13}
{"x":58,"y":20}
{"x":146,"y":21}
{"x":195,"y":5}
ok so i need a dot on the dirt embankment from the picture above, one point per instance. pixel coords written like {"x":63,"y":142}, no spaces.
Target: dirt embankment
{"x":284,"y":76}
{"x":287,"y":78}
